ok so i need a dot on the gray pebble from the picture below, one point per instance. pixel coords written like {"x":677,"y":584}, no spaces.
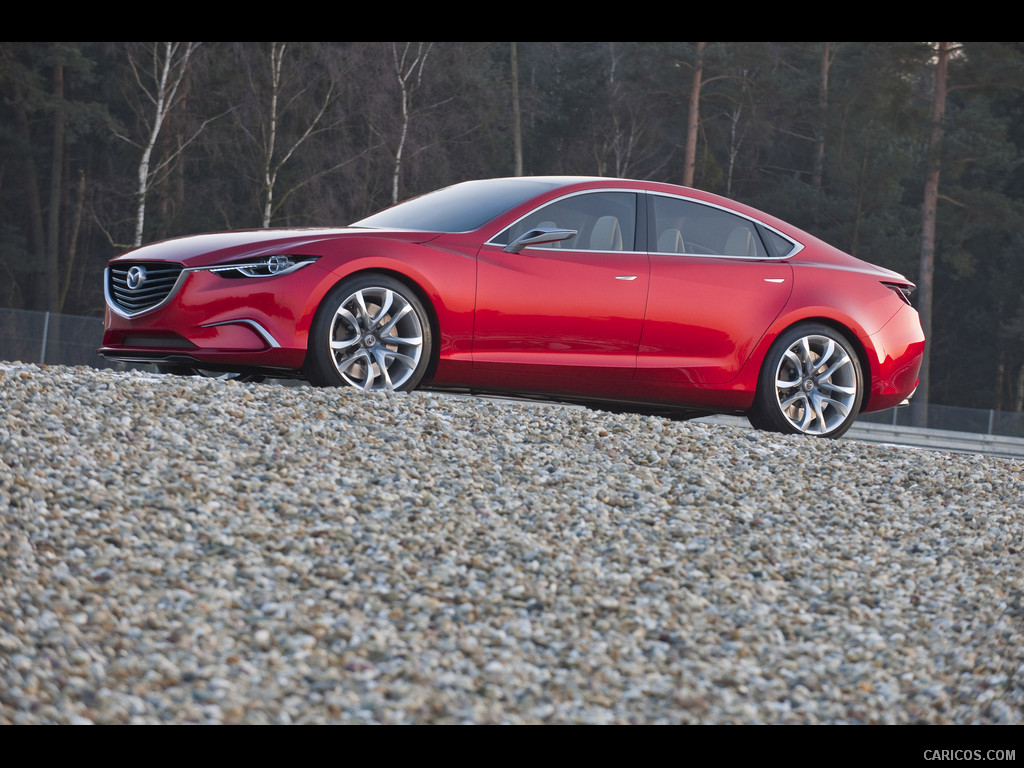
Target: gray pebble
{"x":183,"y":550}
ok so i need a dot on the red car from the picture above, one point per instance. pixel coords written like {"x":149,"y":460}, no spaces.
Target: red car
{"x":621,"y":294}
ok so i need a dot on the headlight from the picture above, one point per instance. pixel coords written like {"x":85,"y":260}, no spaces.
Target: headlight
{"x":268,"y":266}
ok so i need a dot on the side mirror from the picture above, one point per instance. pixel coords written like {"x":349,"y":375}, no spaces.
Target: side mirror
{"x":536,"y":236}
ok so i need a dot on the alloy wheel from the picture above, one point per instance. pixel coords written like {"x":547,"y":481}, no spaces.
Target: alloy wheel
{"x":376,"y":339}
{"x":816,"y":385}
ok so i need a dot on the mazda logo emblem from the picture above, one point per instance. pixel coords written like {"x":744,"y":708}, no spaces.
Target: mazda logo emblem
{"x":136,"y":277}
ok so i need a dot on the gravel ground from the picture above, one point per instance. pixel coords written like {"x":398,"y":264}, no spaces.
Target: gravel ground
{"x":181,"y":550}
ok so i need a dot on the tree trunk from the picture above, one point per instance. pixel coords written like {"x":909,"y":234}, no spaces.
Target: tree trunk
{"x":53,"y":281}
{"x":168,"y":76}
{"x":75,"y":229}
{"x":517,"y":128}
{"x":819,"y":134}
{"x":409,"y":78}
{"x":1018,"y":405}
{"x":269,"y":175}
{"x":693,"y":118}
{"x":926,"y":274}
{"x":37,"y":231}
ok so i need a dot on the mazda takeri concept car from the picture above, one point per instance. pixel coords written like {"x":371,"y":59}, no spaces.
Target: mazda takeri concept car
{"x":628,"y":295}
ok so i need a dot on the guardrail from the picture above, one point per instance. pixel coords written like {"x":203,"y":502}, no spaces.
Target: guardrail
{"x":916,"y":437}
{"x":939,"y":439}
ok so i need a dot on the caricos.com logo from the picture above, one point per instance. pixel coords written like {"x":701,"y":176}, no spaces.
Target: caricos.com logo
{"x":970,"y":754}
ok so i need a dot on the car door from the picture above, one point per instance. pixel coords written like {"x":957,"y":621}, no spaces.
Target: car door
{"x":716,"y":287}
{"x":571,"y":307}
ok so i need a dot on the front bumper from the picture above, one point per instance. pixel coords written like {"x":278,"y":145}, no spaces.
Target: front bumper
{"x":213,"y":322}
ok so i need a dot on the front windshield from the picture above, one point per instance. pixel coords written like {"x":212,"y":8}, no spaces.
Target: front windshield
{"x":459,"y":208}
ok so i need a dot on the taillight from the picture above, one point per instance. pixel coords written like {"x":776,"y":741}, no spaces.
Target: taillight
{"x":903,"y":290}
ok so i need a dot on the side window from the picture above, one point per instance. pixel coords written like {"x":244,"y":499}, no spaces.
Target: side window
{"x":781,"y":245}
{"x":604,"y":221}
{"x":683,"y":226}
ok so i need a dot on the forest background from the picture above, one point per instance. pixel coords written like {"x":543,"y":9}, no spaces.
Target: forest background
{"x":908,"y":155}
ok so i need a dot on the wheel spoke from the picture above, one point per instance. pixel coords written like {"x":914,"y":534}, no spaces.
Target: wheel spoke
{"x":808,"y":356}
{"x":382,"y":367}
{"x":404,"y":359}
{"x":793,"y":369}
{"x":365,"y":322}
{"x":819,"y":415}
{"x":386,"y":328}
{"x":839,"y":405}
{"x":344,"y":314}
{"x":795,"y":359}
{"x":787,"y":383}
{"x":795,"y":401}
{"x":807,"y":416}
{"x":337,"y":346}
{"x":385,"y":306}
{"x":401,"y":342}
{"x":842,"y":362}
{"x":825,"y":356}
{"x":348,"y":362}
{"x":848,"y":391}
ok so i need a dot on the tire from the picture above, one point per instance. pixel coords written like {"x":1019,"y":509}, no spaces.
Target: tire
{"x":371,"y":332}
{"x":811,"y":383}
{"x":184,"y":370}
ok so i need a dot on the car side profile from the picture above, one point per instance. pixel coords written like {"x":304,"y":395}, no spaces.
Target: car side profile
{"x":609,"y":292}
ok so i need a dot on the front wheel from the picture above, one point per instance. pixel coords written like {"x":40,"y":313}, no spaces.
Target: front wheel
{"x":372,"y":333}
{"x":811,"y":383}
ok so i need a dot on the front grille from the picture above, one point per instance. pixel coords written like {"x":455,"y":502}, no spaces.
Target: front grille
{"x":134,"y":288}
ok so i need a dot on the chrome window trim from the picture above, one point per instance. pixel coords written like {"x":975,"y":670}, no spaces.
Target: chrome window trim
{"x":797,"y":246}
{"x":559,"y":199}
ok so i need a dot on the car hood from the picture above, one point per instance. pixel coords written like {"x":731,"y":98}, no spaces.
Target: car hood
{"x":215,"y":247}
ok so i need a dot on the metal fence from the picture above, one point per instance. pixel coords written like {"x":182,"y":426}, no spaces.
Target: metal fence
{"x":43,"y":337}
{"x":47,"y":338}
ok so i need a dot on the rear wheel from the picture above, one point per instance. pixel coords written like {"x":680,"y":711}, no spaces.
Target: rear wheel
{"x":371,"y":332}
{"x":811,"y":383}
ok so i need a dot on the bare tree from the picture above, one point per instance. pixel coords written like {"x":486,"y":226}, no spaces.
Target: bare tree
{"x":159,"y":71}
{"x":698,"y":82}
{"x":621,"y":137}
{"x":275,"y":157}
{"x":736,"y":136}
{"x":409,"y":70}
